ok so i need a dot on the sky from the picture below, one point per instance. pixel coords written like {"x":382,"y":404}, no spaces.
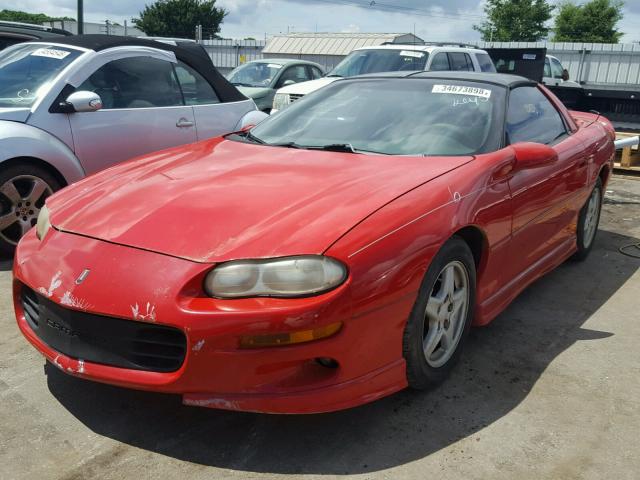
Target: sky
{"x":432,"y":20}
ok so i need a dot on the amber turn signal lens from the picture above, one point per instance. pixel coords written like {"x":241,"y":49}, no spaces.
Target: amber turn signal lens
{"x":279,"y":339}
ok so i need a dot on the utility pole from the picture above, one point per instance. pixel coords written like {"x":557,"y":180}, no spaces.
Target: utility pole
{"x":80,"y":17}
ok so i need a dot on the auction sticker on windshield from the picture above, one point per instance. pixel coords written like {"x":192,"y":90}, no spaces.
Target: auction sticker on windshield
{"x":462,"y":90}
{"x":50,"y":53}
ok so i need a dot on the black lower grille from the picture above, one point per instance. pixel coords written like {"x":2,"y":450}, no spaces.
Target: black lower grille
{"x":102,"y":339}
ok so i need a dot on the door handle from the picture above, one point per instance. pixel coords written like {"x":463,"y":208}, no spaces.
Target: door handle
{"x":183,"y":123}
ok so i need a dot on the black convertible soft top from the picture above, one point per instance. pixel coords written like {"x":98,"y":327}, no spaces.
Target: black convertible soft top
{"x":190,"y":53}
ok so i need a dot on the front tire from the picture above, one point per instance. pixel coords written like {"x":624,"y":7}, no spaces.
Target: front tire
{"x":23,"y":190}
{"x":441,"y":317}
{"x":588,"y":221}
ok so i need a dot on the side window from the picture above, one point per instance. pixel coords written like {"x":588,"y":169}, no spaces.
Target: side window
{"x":440,"y":63}
{"x":196,"y":90}
{"x":316,"y":73}
{"x":460,"y":62}
{"x":297,"y":73}
{"x":547,"y":68}
{"x":556,"y":68}
{"x":486,"y":64}
{"x":532,"y":118}
{"x":135,"y":82}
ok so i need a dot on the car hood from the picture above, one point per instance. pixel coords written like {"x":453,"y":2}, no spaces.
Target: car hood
{"x":15,"y":114}
{"x":254,"y":92}
{"x":220,"y":200}
{"x":304,"y":88}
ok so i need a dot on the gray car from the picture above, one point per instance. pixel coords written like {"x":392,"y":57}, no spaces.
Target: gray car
{"x":259,"y":79}
{"x":76,"y":105}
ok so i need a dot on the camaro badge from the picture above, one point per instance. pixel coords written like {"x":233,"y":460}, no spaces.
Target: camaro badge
{"x":83,"y":275}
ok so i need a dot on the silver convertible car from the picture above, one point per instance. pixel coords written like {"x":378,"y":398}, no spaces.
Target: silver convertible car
{"x":76,"y":105}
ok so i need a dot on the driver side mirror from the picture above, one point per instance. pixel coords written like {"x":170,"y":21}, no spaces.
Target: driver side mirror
{"x":286,"y":83}
{"x":84,"y":101}
{"x":532,"y":155}
{"x":565,"y":75}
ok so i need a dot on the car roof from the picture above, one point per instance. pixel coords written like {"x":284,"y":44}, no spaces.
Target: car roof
{"x":192,"y":54}
{"x":283,"y":61}
{"x":501,"y":79}
{"x":423,"y":48}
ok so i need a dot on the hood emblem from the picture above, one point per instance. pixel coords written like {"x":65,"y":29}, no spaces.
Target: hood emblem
{"x":83,"y":275}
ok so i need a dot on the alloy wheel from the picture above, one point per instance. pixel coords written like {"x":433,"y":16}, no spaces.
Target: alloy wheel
{"x":21,"y":198}
{"x":591,"y":217}
{"x":445,"y":314}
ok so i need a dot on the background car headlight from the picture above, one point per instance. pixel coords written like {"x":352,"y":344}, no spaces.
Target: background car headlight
{"x":281,"y":100}
{"x":280,"y":277}
{"x":43,"y":224}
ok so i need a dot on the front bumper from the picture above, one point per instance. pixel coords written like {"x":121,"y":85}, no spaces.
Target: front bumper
{"x":141,"y":286}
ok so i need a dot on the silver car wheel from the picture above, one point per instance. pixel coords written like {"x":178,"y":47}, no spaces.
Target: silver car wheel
{"x":445,"y":314}
{"x":591,"y":217}
{"x":22,"y":198}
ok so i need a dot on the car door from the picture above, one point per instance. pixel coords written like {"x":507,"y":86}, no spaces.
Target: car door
{"x":295,"y":74}
{"x":460,"y":62}
{"x":315,"y":72}
{"x":212,"y":117}
{"x":543,"y":197}
{"x":552,"y":72}
{"x":440,"y":62}
{"x":143,"y":111}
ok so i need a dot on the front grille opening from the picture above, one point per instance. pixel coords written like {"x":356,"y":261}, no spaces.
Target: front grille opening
{"x":102,"y":339}
{"x":31,"y":306}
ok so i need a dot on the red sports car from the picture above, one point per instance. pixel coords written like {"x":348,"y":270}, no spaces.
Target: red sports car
{"x":335,"y":254}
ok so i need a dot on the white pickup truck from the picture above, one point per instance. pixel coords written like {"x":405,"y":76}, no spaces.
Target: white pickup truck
{"x":390,"y":58}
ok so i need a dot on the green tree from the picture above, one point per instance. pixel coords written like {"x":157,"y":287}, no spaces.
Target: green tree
{"x":36,"y":18}
{"x":515,"y":20}
{"x":179,"y":18}
{"x":594,"y":21}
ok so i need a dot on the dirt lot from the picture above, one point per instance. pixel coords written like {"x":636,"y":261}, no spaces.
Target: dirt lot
{"x":550,"y":390}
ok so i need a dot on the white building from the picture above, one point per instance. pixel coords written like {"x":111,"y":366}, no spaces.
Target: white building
{"x":328,"y":49}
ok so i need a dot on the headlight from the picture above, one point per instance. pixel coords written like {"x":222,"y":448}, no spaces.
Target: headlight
{"x":43,"y":224}
{"x":281,"y":100}
{"x":281,"y":277}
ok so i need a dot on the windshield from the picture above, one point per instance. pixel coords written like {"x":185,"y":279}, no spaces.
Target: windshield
{"x":255,"y":74}
{"x":27,"y":69}
{"x":393,"y":116}
{"x":361,"y":62}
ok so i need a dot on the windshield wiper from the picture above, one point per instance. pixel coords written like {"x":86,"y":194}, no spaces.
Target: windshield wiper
{"x":286,"y":145}
{"x":334,"y":75}
{"x":335,"y":147}
{"x":247,"y":135}
{"x":240,"y":84}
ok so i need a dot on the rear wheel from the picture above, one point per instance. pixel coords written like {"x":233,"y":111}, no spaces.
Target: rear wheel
{"x":441,"y":316}
{"x":23,"y":190}
{"x":588,"y":221}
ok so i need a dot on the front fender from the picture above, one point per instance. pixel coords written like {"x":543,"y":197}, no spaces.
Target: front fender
{"x":21,"y":140}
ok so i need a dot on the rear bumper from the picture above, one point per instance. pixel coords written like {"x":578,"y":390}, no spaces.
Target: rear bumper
{"x":216,"y":372}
